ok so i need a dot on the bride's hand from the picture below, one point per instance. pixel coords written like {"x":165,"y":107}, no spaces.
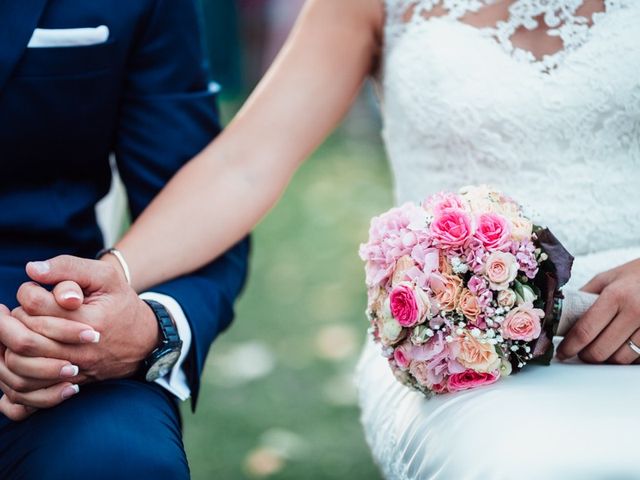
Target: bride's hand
{"x":603,"y":334}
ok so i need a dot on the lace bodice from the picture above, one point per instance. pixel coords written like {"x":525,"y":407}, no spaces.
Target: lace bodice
{"x":464,"y":104}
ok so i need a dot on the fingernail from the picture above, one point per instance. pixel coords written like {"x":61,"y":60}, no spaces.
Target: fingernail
{"x":40,"y":267}
{"x":71,"y":294}
{"x":69,"y":371}
{"x":70,"y":391}
{"x":90,"y":336}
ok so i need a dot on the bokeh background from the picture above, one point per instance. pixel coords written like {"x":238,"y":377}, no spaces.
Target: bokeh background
{"x":278,"y":399}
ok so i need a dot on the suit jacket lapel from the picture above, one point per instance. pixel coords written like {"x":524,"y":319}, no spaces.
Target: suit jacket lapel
{"x":18,"y":19}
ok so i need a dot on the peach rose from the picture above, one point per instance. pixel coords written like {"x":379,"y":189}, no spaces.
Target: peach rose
{"x":443,"y":264}
{"x":500,"y":269}
{"x":521,"y":229}
{"x":522,"y":323}
{"x":468,"y":305}
{"x":403,"y":265}
{"x":507,"y":298}
{"x":472,"y":354}
{"x":446,"y":290}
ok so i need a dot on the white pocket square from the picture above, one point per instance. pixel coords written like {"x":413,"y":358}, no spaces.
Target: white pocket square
{"x":68,"y":37}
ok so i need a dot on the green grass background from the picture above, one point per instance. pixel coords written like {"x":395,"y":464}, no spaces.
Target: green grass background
{"x":298,"y":330}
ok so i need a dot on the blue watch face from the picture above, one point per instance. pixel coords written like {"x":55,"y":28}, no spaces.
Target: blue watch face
{"x":163,"y":365}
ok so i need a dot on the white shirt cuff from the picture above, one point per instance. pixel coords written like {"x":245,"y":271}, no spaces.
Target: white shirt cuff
{"x":176,"y":380}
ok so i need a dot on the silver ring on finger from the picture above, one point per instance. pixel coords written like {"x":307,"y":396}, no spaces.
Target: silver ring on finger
{"x":634,"y":347}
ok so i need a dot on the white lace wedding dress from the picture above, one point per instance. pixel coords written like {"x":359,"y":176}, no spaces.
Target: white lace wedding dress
{"x":561,"y":134}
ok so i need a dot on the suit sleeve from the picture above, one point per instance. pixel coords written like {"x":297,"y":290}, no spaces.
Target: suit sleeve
{"x":168,"y":114}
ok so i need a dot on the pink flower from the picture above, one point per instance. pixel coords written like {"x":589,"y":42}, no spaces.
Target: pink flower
{"x":402,"y":356}
{"x":476,"y":255}
{"x":522,"y":323}
{"x":440,"y":202}
{"x":433,"y":362}
{"x":477,"y":284}
{"x":525,"y":255}
{"x":452,"y":228}
{"x":470,"y":379}
{"x":493,"y":231}
{"x":391,"y":236}
{"x":500,"y":269}
{"x":409,"y":306}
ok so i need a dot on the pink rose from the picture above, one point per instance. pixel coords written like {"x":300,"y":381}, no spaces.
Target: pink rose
{"x":470,"y":379}
{"x":409,"y":306}
{"x":522,"y":323}
{"x":452,"y":228}
{"x":493,"y":231}
{"x":402,"y":356}
{"x":440,"y":202}
{"x":500,"y":269}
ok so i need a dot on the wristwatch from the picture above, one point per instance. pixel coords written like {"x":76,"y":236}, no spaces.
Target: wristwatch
{"x":162,"y":359}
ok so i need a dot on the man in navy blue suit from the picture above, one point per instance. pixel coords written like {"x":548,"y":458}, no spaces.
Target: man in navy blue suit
{"x":80,"y":81}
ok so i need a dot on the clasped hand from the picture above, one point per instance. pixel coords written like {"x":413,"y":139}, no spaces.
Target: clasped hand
{"x":92,"y":328}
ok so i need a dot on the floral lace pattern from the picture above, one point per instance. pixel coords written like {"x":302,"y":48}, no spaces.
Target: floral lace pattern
{"x":566,"y":143}
{"x":560,"y":18}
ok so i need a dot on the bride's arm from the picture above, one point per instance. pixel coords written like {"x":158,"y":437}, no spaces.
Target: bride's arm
{"x":222,"y":193}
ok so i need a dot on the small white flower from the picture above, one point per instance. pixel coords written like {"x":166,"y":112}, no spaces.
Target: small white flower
{"x":459,"y":331}
{"x":449,"y":338}
{"x":514,"y":348}
{"x":429,"y":332}
{"x":475,"y":332}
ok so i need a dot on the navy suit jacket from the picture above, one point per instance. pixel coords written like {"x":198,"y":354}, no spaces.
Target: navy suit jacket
{"x":143,"y":96}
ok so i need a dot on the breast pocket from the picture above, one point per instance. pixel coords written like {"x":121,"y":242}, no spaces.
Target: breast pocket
{"x":66,"y":61}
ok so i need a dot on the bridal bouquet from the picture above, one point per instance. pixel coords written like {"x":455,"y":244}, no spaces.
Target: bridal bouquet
{"x":463,"y":289}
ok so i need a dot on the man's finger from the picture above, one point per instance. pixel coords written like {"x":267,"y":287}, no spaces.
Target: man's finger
{"x":14,"y":411}
{"x":58,"y":329}
{"x":611,"y":339}
{"x":588,"y":327}
{"x":68,"y":295}
{"x":36,"y":300}
{"x":4,"y":310}
{"x":43,"y":398}
{"x":91,"y":275}
{"x":41,"y":368}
